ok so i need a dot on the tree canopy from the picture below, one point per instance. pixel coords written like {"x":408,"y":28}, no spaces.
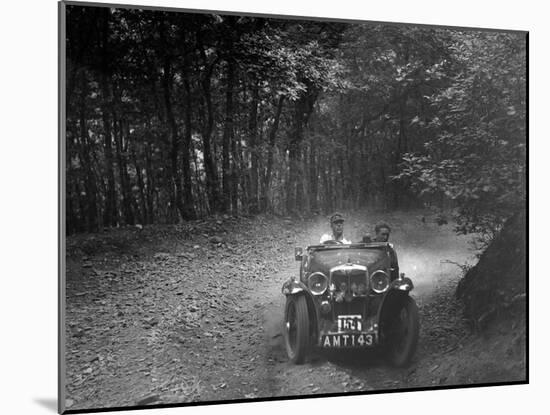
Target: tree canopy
{"x":173,"y":116}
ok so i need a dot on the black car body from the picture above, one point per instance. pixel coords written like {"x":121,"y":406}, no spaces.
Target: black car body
{"x":350,"y":296}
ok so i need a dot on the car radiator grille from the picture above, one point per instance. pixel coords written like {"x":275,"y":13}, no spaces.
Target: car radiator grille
{"x":345,"y":278}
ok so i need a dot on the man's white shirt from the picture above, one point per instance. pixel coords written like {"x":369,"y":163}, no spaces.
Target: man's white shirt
{"x":329,"y":237}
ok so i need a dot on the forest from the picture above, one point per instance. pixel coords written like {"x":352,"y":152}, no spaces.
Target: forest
{"x":177,"y":116}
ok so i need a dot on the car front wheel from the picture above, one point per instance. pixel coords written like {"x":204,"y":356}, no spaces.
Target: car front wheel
{"x":296,"y":328}
{"x":403,"y":333}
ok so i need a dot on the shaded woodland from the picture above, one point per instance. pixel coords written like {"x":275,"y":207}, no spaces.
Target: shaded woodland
{"x":176,"y":116}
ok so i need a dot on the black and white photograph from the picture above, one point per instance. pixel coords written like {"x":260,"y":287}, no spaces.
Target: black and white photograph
{"x":259,"y":207}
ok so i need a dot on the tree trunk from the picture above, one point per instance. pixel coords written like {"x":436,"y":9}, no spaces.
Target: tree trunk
{"x":212,"y":186}
{"x":327,"y":184}
{"x":150,"y":184}
{"x":253,"y":135}
{"x":90,"y":210}
{"x":111,"y":212}
{"x":126,"y":151}
{"x":73,"y":221}
{"x":401,"y":142}
{"x":271,"y":149}
{"x":123,"y":174}
{"x":189,"y":202}
{"x":141,"y":185}
{"x":313,"y":188}
{"x":175,"y":187}
{"x":234,"y":178}
{"x":236,"y":175}
{"x":110,"y":217}
{"x":303,"y":108}
{"x":201,"y":196}
{"x":228,"y":169}
{"x":293,"y":160}
{"x":293,"y":197}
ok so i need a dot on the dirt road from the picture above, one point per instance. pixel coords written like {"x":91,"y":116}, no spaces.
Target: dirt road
{"x":193,"y":313}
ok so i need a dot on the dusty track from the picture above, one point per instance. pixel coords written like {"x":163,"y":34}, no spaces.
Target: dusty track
{"x":165,"y":315}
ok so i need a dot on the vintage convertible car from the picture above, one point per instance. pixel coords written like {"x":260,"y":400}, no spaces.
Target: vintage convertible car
{"x":350,"y":296}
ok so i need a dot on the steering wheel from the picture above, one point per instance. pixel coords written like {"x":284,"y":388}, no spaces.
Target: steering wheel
{"x":332,"y":242}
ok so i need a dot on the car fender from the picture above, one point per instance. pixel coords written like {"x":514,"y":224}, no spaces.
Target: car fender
{"x":294,"y":287}
{"x":401,"y":284}
{"x":397,"y":291}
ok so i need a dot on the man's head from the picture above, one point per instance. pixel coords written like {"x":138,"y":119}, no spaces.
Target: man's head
{"x":337,"y":224}
{"x":382,"y":230}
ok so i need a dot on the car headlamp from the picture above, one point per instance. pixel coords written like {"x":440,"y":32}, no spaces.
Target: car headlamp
{"x":379,"y":281}
{"x":317,"y":283}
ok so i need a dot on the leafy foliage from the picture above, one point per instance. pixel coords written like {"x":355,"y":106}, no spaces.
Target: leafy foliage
{"x":477,"y":153}
{"x":173,"y":116}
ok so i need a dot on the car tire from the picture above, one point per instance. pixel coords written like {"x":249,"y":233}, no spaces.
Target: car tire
{"x":404,"y":330}
{"x":296,"y":328}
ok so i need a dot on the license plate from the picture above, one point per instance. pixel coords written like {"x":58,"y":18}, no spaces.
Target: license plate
{"x":350,"y":323}
{"x":347,"y":340}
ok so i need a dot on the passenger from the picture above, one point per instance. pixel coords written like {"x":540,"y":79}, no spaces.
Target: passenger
{"x":337,"y":226}
{"x":383,"y":230}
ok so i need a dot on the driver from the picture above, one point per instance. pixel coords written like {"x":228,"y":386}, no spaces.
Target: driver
{"x":383,"y":230}
{"x":337,"y":226}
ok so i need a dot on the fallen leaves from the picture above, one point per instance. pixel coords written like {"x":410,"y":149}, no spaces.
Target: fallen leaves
{"x":167,"y":310}
{"x":161,"y":256}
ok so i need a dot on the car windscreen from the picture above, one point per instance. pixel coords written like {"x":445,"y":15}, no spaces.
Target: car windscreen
{"x":323,"y":259}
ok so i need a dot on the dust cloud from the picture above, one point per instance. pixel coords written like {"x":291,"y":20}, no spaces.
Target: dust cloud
{"x":428,"y":253}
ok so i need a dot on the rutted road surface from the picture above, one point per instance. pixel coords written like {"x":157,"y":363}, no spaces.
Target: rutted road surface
{"x":194,"y":313}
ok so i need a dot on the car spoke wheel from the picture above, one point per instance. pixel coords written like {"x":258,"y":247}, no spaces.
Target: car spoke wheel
{"x":296,"y":328}
{"x":403,"y":332}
